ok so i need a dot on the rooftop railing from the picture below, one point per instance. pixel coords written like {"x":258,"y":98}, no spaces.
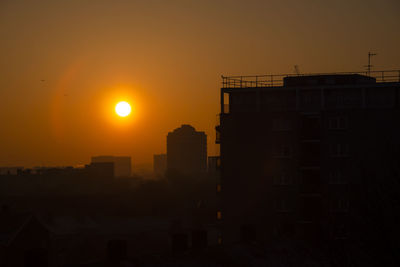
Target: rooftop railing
{"x":255,"y":81}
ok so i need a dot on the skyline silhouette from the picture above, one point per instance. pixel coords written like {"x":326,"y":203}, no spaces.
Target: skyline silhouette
{"x":224,"y":133}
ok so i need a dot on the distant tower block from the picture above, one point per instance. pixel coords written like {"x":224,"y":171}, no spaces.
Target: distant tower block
{"x":122,"y":165}
{"x":160,"y":163}
{"x":187,"y":150}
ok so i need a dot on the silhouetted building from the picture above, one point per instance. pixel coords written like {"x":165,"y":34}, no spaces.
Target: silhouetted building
{"x":296,"y":152}
{"x":24,"y":240}
{"x":213,"y":164}
{"x":100,"y":170}
{"x":160,"y":163}
{"x":91,"y":178}
{"x":122,"y":165}
{"x":10,"y":170}
{"x":187,"y":150}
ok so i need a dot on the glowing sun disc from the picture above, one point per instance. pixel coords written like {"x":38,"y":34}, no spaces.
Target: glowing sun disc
{"x":123,"y":109}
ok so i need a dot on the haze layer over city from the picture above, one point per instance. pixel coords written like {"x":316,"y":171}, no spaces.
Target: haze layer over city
{"x":65,"y":64}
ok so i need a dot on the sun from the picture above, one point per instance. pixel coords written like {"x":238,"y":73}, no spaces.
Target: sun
{"x":123,"y":109}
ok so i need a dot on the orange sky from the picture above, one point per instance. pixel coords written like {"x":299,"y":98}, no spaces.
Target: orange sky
{"x":166,"y":58}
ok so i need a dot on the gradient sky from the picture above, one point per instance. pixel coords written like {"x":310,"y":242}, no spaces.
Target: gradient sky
{"x":166,"y":58}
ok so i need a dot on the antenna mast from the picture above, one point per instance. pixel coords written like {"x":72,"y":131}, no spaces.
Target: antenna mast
{"x":369,"y":63}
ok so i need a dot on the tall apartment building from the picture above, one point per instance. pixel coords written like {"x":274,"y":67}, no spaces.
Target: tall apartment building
{"x":122,"y":165}
{"x":187,"y":150}
{"x":297,"y":152}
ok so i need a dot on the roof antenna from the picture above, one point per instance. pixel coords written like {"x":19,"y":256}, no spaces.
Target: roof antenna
{"x":296,"y":70}
{"x":369,"y":63}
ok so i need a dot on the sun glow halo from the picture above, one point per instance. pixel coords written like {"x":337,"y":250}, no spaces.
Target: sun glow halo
{"x":123,"y":109}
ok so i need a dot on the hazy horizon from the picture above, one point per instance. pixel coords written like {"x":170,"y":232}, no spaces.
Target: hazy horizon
{"x":65,"y":64}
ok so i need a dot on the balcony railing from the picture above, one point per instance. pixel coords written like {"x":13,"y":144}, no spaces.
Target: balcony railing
{"x":254,"y":81}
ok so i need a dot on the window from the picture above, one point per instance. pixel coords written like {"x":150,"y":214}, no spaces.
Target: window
{"x":339,"y":231}
{"x":337,"y":123}
{"x":382,"y":97}
{"x":340,"y":205}
{"x":283,"y":151}
{"x":283,"y":179}
{"x":283,"y":205}
{"x":285,"y":229}
{"x":281,"y":125}
{"x":219,"y":239}
{"x":337,"y":177}
{"x":219,"y":215}
{"x":218,"y":188}
{"x":340,"y":150}
{"x":309,"y":99}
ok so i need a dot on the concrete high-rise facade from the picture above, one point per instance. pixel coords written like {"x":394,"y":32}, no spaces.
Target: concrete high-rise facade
{"x":187,"y":150}
{"x":299,"y":153}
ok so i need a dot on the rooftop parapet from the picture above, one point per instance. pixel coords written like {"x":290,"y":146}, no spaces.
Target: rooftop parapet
{"x":311,"y":79}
